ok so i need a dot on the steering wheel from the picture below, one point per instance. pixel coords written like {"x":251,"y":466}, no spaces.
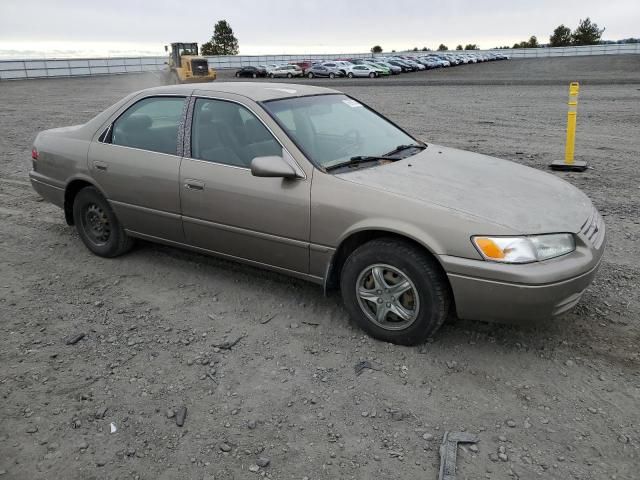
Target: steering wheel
{"x":352,"y":138}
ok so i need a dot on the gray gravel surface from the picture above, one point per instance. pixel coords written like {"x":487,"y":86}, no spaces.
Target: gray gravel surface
{"x":556,"y":400}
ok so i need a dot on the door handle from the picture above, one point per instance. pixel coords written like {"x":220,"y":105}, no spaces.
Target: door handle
{"x":100,"y":166}
{"x":194,"y":185}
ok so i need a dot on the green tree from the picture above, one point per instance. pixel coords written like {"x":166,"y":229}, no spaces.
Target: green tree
{"x":376,"y":49}
{"x":442,"y":47}
{"x":415,"y":49}
{"x":561,"y":37}
{"x":459,"y":47}
{"x":223,"y":41}
{"x":426,"y":49}
{"x":531,"y":43}
{"x":587,"y":33}
{"x":471,"y":46}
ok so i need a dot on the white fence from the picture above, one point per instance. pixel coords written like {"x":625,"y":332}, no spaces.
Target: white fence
{"x":41,"y":68}
{"x":605,"y":49}
{"x":21,"y":69}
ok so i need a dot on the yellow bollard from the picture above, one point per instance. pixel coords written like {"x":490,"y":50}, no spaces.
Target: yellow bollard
{"x":569,"y":163}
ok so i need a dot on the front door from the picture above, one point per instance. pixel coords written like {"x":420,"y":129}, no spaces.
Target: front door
{"x":137,"y":167}
{"x":225,"y":208}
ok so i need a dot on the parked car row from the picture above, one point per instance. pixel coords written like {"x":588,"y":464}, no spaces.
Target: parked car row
{"x":367,"y":67}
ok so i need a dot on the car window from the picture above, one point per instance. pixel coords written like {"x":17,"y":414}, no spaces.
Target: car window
{"x":228,"y":133}
{"x":150,"y":124}
{"x":332,"y":128}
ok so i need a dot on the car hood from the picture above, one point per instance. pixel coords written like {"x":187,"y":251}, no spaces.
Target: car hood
{"x":502,"y":192}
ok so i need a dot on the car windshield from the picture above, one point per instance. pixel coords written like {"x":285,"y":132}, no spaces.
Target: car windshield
{"x":331,"y":129}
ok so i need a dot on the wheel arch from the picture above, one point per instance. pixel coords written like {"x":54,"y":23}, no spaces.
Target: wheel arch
{"x":70,"y":192}
{"x":358,"y":238}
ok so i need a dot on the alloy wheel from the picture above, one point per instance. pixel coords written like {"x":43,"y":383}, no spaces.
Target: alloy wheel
{"x":387,"y":296}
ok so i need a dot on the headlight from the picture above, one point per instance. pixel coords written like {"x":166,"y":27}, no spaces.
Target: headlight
{"x":524,"y":249}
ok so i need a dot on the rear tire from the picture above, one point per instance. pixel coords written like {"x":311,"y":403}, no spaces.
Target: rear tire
{"x":255,"y":75}
{"x":237,"y":75}
{"x":310,"y":75}
{"x":372,"y":75}
{"x":289,"y":75}
{"x":332,"y":75}
{"x":98,"y":226}
{"x":350,"y":75}
{"x":424,"y":303}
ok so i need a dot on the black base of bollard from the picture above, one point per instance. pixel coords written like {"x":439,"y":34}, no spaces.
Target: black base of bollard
{"x":576,"y":166}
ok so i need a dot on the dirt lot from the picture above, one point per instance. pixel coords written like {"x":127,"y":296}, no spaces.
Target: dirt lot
{"x":555,"y":400}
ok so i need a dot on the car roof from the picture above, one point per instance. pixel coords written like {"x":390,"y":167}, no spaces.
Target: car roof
{"x":257,"y":91}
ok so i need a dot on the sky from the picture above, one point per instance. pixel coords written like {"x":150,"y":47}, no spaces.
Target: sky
{"x":76,"y":28}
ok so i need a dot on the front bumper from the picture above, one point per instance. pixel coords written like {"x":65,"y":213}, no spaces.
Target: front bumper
{"x":525,"y":293}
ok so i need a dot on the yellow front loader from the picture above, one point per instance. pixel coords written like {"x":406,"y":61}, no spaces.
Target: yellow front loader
{"x":186,"y":66}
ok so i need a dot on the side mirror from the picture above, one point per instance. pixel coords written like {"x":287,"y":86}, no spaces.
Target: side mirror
{"x":273,"y":166}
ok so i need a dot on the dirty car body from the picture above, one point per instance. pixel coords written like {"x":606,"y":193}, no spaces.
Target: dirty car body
{"x":311,"y":183}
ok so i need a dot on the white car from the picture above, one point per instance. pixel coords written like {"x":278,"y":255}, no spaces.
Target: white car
{"x":268,"y":67}
{"x":362,"y":71}
{"x":343,"y":65}
{"x":288,"y":71}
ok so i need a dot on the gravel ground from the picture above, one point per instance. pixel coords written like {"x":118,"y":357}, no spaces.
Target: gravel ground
{"x":160,"y":325}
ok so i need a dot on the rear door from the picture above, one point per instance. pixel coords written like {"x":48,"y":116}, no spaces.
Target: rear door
{"x":225,"y":208}
{"x":136,"y":164}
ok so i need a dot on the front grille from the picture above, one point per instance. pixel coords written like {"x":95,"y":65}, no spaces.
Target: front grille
{"x":199,"y":67}
{"x":593,"y":229}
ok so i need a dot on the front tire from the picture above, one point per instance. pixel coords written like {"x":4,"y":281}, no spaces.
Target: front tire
{"x":332,"y":75}
{"x":310,"y":75}
{"x":289,"y":75}
{"x":372,"y":75}
{"x":255,"y":75}
{"x":350,"y":75}
{"x":395,"y":291}
{"x":98,"y":226}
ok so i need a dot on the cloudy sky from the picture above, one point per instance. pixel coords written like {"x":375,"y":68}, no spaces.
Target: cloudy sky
{"x":116,"y":27}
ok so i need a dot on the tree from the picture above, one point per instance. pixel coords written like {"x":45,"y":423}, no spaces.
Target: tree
{"x":459,"y":47}
{"x":426,"y":49}
{"x":471,"y":46}
{"x":443,"y":48}
{"x":376,"y":49}
{"x":587,"y":33}
{"x":531,"y":43}
{"x":561,"y":37}
{"x":223,"y":41}
{"x":415,"y":49}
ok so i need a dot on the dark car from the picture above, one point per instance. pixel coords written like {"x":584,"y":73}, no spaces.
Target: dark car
{"x":404,"y":66}
{"x":253,"y":72}
{"x":324,"y":71}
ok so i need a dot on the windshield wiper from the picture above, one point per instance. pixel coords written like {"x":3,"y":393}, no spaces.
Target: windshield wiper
{"x":401,"y":148}
{"x":355,"y":161}
{"x":370,"y":158}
